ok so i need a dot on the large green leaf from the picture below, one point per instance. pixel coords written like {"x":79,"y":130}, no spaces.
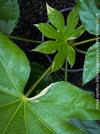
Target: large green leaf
{"x":92,"y":63}
{"x":9,"y":13}
{"x":14,"y":67}
{"x":47,"y":113}
{"x":89,"y":15}
{"x":90,"y":127}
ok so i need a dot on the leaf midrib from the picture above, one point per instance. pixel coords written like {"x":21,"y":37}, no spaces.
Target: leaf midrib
{"x":55,"y":105}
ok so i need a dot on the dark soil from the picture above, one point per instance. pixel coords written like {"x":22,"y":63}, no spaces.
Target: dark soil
{"x":32,"y":12}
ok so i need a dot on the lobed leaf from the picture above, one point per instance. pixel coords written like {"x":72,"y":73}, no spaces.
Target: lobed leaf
{"x":48,"y":112}
{"x":9,"y":13}
{"x":92,"y":63}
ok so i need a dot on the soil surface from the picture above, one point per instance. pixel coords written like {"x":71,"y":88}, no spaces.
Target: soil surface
{"x":32,"y":12}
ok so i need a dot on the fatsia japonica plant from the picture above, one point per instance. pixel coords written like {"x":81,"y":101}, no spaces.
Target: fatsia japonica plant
{"x":64,"y":36}
{"x":60,"y":108}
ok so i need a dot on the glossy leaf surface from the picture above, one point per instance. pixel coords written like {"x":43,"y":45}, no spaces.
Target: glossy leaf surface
{"x":89,"y":15}
{"x":9,"y":13}
{"x":47,"y":113}
{"x":92,"y":63}
{"x":14,"y":67}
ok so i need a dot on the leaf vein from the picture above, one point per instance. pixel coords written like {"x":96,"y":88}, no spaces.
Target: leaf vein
{"x":11,"y":118}
{"x":42,"y":121}
{"x":9,"y":93}
{"x":25,"y":119}
{"x":10,"y":103}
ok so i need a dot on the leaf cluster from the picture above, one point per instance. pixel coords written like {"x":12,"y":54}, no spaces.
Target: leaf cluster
{"x":58,"y":108}
{"x":61,"y":34}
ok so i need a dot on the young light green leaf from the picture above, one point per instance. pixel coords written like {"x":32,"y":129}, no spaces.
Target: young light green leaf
{"x":47,"y":113}
{"x":92,"y":63}
{"x":59,"y":59}
{"x":72,"y":21}
{"x":9,"y":13}
{"x":56,"y":18}
{"x":73,"y":18}
{"x":89,"y":15}
{"x":71,"y":56}
{"x":14,"y":67}
{"x":76,"y":33}
{"x":48,"y":47}
{"x":48,"y":31}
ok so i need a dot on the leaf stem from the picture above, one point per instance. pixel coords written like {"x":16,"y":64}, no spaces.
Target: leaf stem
{"x":85,"y":41}
{"x":66,"y":66}
{"x":80,"y":51}
{"x":37,"y":82}
{"x":23,"y":39}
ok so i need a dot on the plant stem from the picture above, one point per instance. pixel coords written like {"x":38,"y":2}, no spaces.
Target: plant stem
{"x":37,"y":82}
{"x":80,"y":51}
{"x":85,"y":41}
{"x":66,"y":66}
{"x":23,"y":39}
